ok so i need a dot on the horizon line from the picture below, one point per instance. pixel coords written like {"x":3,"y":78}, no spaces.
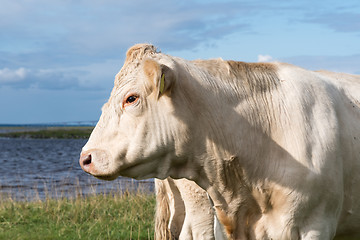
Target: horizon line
{"x":67,"y":123}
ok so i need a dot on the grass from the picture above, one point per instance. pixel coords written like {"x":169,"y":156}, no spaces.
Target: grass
{"x":51,"y":132}
{"x":103,"y":216}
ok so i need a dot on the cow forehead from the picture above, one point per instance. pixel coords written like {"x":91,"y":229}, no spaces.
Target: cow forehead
{"x":129,"y":79}
{"x":133,"y":62}
{"x":127,"y":74}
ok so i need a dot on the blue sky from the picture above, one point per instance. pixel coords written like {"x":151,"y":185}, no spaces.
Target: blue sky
{"x":58,"y":58}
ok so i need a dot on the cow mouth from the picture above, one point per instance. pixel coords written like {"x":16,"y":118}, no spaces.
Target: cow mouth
{"x":96,"y":163}
{"x":97,"y":170}
{"x":106,"y":177}
{"x":131,"y":171}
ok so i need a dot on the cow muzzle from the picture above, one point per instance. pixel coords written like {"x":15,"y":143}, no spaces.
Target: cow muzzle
{"x":97,"y":163}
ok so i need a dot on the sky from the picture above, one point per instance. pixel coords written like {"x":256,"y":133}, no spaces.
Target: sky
{"x":58,"y":58}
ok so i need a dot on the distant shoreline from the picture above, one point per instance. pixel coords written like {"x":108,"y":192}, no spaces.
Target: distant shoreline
{"x":46,"y":132}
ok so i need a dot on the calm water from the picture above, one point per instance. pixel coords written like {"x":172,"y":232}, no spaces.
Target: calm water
{"x":36,"y":168}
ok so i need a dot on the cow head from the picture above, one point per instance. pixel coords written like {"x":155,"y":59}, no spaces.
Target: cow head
{"x":137,"y":134}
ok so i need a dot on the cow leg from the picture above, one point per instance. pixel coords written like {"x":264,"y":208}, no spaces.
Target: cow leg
{"x":199,"y":219}
{"x":170,"y":210}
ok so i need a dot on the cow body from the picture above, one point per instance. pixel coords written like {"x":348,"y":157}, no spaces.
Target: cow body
{"x":276,"y":147}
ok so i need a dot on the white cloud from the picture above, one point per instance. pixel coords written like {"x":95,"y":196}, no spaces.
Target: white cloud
{"x":66,"y":37}
{"x":265,"y":58}
{"x":93,"y":28}
{"x":93,"y":76}
{"x":39,"y":78}
{"x":10,"y":76}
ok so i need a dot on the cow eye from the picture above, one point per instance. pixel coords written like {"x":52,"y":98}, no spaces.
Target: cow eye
{"x":131,"y":99}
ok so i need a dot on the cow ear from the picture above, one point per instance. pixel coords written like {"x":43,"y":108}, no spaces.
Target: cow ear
{"x":160,"y":76}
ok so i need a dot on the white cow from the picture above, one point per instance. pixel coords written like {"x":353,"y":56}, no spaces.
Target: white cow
{"x":276,"y":147}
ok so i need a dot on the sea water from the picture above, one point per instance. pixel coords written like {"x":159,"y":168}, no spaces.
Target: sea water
{"x":39,"y":168}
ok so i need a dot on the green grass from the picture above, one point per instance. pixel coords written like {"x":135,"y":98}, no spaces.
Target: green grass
{"x":51,"y":132}
{"x":125,"y":216}
{"x":104,"y":216}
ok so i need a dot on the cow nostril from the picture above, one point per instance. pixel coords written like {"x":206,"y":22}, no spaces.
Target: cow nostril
{"x":86,"y":160}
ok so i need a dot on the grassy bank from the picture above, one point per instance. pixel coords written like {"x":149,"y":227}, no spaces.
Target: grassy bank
{"x":126,"y":216}
{"x":50,"y":132}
